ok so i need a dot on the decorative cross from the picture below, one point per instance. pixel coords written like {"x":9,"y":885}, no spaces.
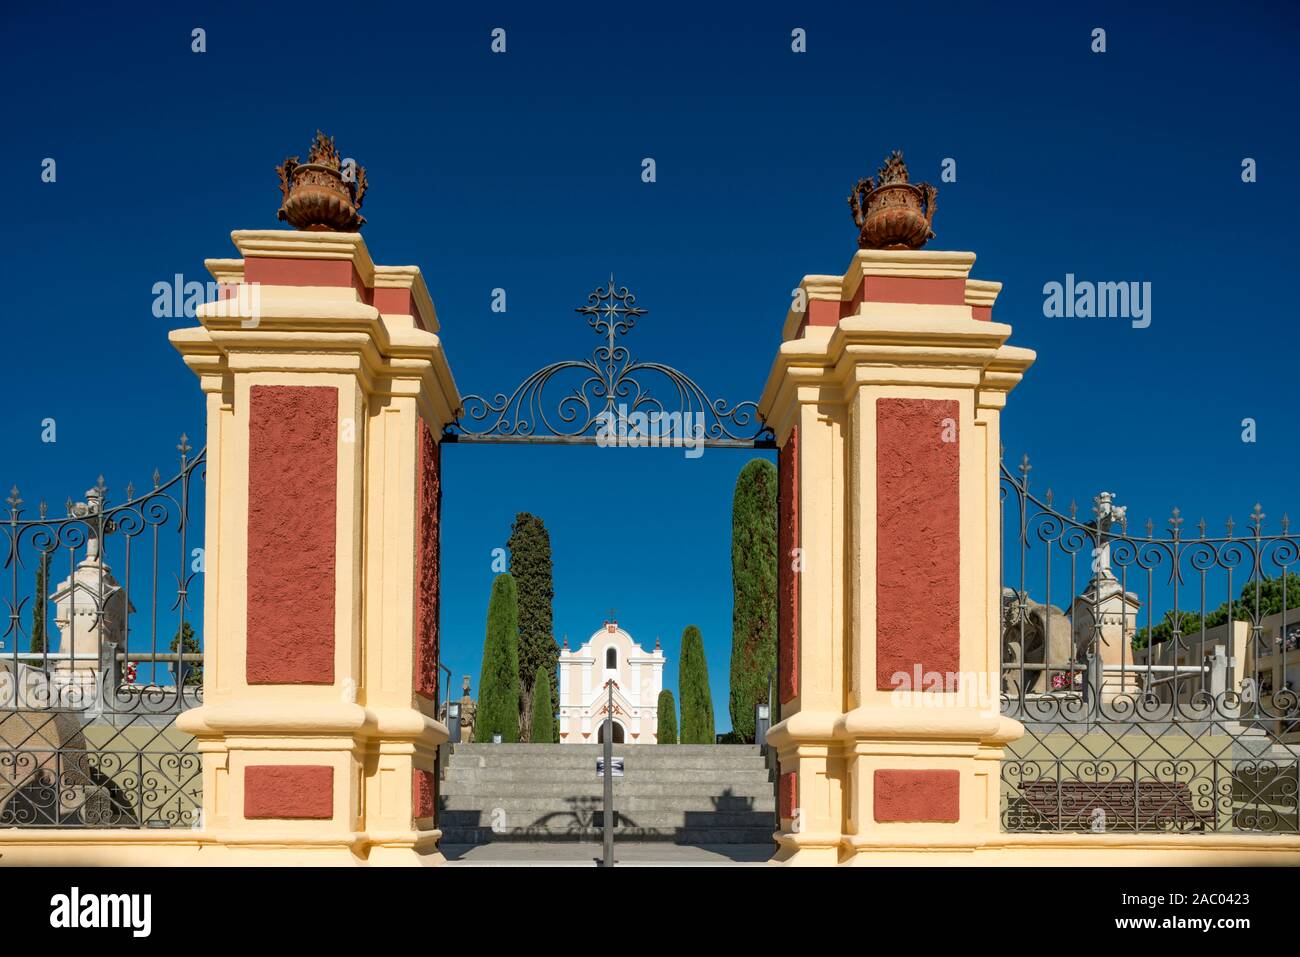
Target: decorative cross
{"x":1108,"y":513}
{"x":611,"y":313}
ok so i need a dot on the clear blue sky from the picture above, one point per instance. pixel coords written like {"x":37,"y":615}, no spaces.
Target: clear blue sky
{"x":522,"y":171}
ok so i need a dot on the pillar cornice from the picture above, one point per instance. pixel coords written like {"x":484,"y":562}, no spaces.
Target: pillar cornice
{"x":1002,"y":375}
{"x":892,"y":350}
{"x":297,"y":244}
{"x":338,"y":334}
{"x":928,"y":721}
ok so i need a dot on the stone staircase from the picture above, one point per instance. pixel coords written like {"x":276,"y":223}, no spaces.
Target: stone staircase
{"x":687,"y":794}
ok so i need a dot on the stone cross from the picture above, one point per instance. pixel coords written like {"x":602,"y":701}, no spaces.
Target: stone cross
{"x":1108,"y":513}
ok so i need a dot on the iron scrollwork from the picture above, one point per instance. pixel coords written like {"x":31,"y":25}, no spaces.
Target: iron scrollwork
{"x":1156,"y":694}
{"x":88,"y":700}
{"x":609,"y":390}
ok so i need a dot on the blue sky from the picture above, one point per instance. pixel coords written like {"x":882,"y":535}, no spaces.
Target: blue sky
{"x":522,"y":171}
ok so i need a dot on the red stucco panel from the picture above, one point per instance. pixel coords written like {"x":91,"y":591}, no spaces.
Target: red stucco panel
{"x":427,"y":557}
{"x":918,"y":540}
{"x":788,"y":795}
{"x":304,"y":791}
{"x":292,"y":521}
{"x":423,"y":793}
{"x":916,"y":796}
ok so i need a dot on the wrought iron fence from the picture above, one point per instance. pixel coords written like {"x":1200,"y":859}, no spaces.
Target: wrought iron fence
{"x":1159,"y":694}
{"x":87,"y":708}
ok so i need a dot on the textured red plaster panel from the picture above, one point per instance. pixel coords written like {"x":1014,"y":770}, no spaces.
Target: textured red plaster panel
{"x":822,"y":312}
{"x":787,"y":578}
{"x":916,"y":796}
{"x":389,"y":299}
{"x":302,"y":272}
{"x":850,"y":306}
{"x":292,"y":518}
{"x":289,"y":791}
{"x":423,"y":793}
{"x":911,"y":289}
{"x":918,"y":540}
{"x":427,"y":558}
{"x":396,"y":301}
{"x":982,"y":313}
{"x":789,"y":795}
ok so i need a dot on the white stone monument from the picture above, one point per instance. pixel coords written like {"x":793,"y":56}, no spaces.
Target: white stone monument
{"x":1105,"y":613}
{"x":90,"y":610}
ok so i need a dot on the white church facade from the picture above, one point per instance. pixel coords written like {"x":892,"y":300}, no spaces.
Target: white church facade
{"x":610,"y":655}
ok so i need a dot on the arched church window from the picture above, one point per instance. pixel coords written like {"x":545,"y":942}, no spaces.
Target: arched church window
{"x":611,"y":659}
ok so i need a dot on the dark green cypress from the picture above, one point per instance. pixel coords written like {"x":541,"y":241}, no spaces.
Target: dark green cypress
{"x":667,"y":731}
{"x":530,"y":564}
{"x":39,"y":642}
{"x":543,"y":725}
{"x":186,"y":642}
{"x":693,"y":684}
{"x":754,"y":591}
{"x":498,"y":683}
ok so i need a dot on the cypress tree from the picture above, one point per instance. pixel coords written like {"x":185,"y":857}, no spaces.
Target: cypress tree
{"x":543,"y":713}
{"x":754,"y":591}
{"x":38,"y":643}
{"x":186,"y":642}
{"x":693,"y":683}
{"x":530,"y":564}
{"x":498,"y":683}
{"x":667,"y":733}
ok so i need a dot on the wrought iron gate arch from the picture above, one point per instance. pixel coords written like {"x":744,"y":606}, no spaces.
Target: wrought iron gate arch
{"x":610,"y":388}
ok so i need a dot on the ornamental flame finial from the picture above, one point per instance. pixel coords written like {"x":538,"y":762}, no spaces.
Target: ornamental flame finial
{"x":324,"y":193}
{"x":890,"y":211}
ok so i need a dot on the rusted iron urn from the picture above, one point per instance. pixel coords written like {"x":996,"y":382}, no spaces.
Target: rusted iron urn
{"x":320,"y":194}
{"x":890,"y":212}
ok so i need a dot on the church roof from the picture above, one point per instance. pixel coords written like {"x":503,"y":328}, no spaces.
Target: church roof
{"x":611,"y":631}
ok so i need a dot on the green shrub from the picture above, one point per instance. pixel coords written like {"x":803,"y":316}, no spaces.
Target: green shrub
{"x":667,"y":732}
{"x":498,"y":684}
{"x":693,"y":683}
{"x":543,"y":726}
{"x":753,"y":587}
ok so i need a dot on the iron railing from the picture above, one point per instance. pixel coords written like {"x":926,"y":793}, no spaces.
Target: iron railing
{"x":99,"y":654}
{"x":1150,"y":689}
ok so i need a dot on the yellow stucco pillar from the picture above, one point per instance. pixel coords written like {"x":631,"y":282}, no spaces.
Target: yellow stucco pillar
{"x":885,"y":400}
{"x":327,"y":390}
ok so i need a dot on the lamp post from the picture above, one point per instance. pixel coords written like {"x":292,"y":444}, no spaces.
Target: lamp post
{"x":609,"y":776}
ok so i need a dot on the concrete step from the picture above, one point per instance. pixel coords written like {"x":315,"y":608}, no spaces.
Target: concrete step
{"x":598,"y":748}
{"x":595,"y":750}
{"x":687,"y":794}
{"x":725,"y":835}
{"x":587,"y":762}
{"x":529,"y":804}
{"x":667,"y":820}
{"x":489,"y":777}
{"x":687,"y":790}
